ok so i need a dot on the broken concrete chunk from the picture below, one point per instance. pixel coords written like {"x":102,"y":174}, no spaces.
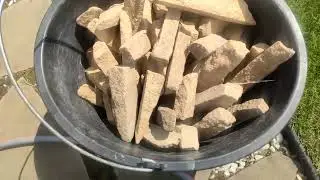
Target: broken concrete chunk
{"x":125,"y":27}
{"x":223,"y":95}
{"x":103,"y":57}
{"x":146,"y":16}
{"x":159,"y":138}
{"x":134,"y":9}
{"x":189,"y":137}
{"x":123,"y":82}
{"x":189,"y":28}
{"x":185,"y":99}
{"x":89,"y":93}
{"x":234,"y":32}
{"x":205,"y":46}
{"x":154,"y":31}
{"x":264,"y":64}
{"x":249,"y":110}
{"x":214,"y":123}
{"x":176,"y":67}
{"x":163,"y":48}
{"x":254,"y":52}
{"x":85,"y":18}
{"x":235,"y":11}
{"x":159,"y":10}
{"x":211,"y":26}
{"x":153,"y":85}
{"x":224,"y":60}
{"x":135,"y":48}
{"x":166,"y":118}
{"x":106,"y":35}
{"x":110,"y":17}
{"x":108,"y":106}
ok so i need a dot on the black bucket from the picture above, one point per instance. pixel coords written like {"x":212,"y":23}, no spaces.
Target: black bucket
{"x":60,"y":53}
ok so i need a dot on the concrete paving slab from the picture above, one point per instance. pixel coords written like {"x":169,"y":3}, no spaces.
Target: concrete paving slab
{"x":20,"y":24}
{"x":45,"y":161}
{"x":275,"y":167}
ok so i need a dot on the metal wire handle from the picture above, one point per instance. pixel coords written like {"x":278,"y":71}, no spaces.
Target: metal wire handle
{"x":44,"y":122}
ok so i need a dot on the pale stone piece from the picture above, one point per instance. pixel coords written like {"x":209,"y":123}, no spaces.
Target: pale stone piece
{"x":264,"y":64}
{"x":153,"y":85}
{"x":186,"y":96}
{"x":163,"y":48}
{"x":85,"y":18}
{"x":223,"y":61}
{"x":176,"y":67}
{"x":257,"y":49}
{"x":154,"y":31}
{"x":146,"y":16}
{"x":103,"y":57}
{"x":125,"y":27}
{"x":106,"y":35}
{"x":135,"y":12}
{"x":89,"y":93}
{"x":214,"y":123}
{"x":205,"y":46}
{"x":123,"y":82}
{"x":249,"y":110}
{"x":166,"y":118}
{"x":135,"y":48}
{"x":189,"y":28}
{"x":159,"y":10}
{"x":159,"y":138}
{"x":223,"y":95}
{"x":211,"y":26}
{"x":189,"y":137}
{"x":235,"y":11}
{"x":234,"y":32}
{"x":110,"y":17}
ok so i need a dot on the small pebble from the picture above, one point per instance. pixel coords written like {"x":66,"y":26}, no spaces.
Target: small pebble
{"x":4,"y":85}
{"x":272,"y":149}
{"x":226,"y":174}
{"x":279,"y":138}
{"x":258,"y":157}
{"x":233,"y":168}
{"x":298,"y":177}
{"x":277,"y":146}
{"x":265,"y":147}
{"x":241,"y":164}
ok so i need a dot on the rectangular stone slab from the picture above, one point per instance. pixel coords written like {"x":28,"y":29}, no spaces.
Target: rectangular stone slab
{"x":146,"y":16}
{"x":185,"y":98}
{"x":85,"y":18}
{"x":110,"y":17}
{"x":153,"y":84}
{"x":176,"y":67}
{"x":103,"y":57}
{"x":249,"y":109}
{"x":166,"y":118}
{"x":161,"y":139}
{"x":214,"y":123}
{"x":223,"y":95}
{"x":125,"y":27}
{"x":224,"y":60}
{"x":264,"y":64}
{"x":123,"y":82}
{"x":189,"y":140}
{"x":205,"y":46}
{"x":163,"y":48}
{"x":235,"y":11}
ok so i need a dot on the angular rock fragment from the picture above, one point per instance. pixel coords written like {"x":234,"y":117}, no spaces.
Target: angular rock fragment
{"x":135,"y":12}
{"x":89,"y":93}
{"x":189,"y":137}
{"x":176,"y":67}
{"x":205,"y":46}
{"x":110,"y":17}
{"x":153,"y":85}
{"x":224,"y":60}
{"x":159,"y":10}
{"x":146,"y":16}
{"x":135,"y":48}
{"x":166,"y":118}
{"x":159,"y":138}
{"x":189,"y":28}
{"x":85,"y":18}
{"x":254,"y":52}
{"x":185,"y":99}
{"x":249,"y":110}
{"x":103,"y":57}
{"x":125,"y":27}
{"x":235,"y":11}
{"x":223,"y":95}
{"x":214,"y":123}
{"x":264,"y":64}
{"x":106,"y":35}
{"x":234,"y":32}
{"x":123,"y":82}
{"x":211,"y":26}
{"x":162,"y":50}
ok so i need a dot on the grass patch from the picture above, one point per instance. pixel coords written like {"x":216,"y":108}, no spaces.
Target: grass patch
{"x":307,"y":121}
